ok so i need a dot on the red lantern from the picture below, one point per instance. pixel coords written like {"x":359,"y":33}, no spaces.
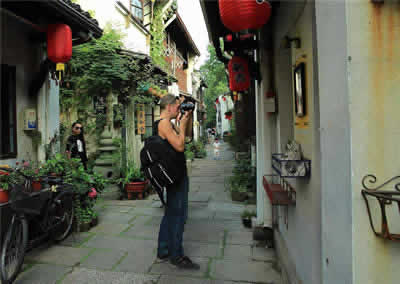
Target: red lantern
{"x":239,"y":77}
{"x":59,"y":44}
{"x":224,"y":99}
{"x":217,"y":101}
{"x":238,"y":15}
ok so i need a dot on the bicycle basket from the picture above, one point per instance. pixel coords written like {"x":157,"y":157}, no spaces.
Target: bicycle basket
{"x":26,"y":203}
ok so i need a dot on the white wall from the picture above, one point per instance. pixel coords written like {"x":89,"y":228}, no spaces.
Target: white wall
{"x":106,"y":12}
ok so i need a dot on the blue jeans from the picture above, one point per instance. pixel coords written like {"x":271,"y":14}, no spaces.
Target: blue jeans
{"x":186,"y":199}
{"x":170,"y":237}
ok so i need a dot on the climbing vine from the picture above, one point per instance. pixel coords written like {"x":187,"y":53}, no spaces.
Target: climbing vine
{"x":157,"y":48}
{"x":99,"y":68}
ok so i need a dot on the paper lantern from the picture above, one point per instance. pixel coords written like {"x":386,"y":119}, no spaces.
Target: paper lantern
{"x":59,"y":44}
{"x":238,"y":15}
{"x":224,"y":99}
{"x":239,"y":77}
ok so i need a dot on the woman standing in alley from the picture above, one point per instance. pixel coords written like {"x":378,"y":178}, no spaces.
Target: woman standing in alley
{"x":76,"y":146}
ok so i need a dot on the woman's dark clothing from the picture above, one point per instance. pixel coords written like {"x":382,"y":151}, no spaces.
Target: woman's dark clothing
{"x":77,"y":147}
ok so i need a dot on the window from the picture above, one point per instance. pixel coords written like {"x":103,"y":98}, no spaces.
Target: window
{"x":149,"y":121}
{"x":8,"y":121}
{"x":137,"y":9}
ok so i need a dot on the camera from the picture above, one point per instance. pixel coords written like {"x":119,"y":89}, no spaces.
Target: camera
{"x":187,"y":105}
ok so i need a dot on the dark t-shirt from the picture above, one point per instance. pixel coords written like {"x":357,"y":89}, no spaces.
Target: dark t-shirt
{"x":180,"y":155}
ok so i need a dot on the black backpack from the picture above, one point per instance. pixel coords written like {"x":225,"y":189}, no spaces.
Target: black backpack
{"x":159,"y":163}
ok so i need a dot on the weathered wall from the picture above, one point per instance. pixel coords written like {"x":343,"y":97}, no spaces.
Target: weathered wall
{"x":374,"y":80}
{"x":106,"y":12}
{"x":299,"y":241}
{"x":19,"y":51}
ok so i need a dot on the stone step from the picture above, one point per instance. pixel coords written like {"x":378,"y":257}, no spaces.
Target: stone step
{"x":107,"y":149}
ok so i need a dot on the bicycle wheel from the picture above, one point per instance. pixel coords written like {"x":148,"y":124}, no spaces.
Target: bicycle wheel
{"x":64,"y":216}
{"x":13,"y":250}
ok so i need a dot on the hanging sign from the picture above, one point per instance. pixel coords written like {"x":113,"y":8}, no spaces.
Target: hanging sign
{"x":141,"y":119}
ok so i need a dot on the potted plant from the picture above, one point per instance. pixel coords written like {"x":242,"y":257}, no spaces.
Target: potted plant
{"x":246,"y":217}
{"x":6,"y":180}
{"x":133,"y":181}
{"x":237,"y":189}
{"x":32,"y":172}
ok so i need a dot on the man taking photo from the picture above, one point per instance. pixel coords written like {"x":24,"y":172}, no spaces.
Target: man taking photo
{"x":170,"y":237}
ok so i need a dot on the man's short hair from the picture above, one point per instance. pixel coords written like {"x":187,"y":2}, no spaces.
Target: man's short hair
{"x":168,"y":99}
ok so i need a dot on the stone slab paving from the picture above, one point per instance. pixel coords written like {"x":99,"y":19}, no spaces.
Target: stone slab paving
{"x":43,"y":274}
{"x":58,"y":255}
{"x":122,"y":248}
{"x":103,"y":259}
{"x":169,"y":279}
{"x":197,"y":249}
{"x":109,"y":228}
{"x":139,"y":261}
{"x":76,"y":239}
{"x":91,"y":276}
{"x":233,"y":252}
{"x":244,"y":270}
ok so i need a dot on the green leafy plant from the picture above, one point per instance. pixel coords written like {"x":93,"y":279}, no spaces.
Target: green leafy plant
{"x":31,"y":170}
{"x":189,"y":155}
{"x":248,"y":214}
{"x":8,"y":179}
{"x":131,"y":174}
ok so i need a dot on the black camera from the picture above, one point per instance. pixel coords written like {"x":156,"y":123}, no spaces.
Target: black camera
{"x":187,"y":105}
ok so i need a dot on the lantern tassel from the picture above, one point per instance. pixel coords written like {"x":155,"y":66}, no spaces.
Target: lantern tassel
{"x":60,"y":67}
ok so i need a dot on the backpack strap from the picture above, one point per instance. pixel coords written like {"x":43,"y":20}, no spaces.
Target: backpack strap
{"x":155,"y":127}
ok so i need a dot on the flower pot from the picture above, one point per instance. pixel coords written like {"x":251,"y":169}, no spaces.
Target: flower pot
{"x":94,"y":221}
{"x":3,"y":196}
{"x":84,"y":227}
{"x":36,"y":185}
{"x":135,"y":188}
{"x":246,"y":222}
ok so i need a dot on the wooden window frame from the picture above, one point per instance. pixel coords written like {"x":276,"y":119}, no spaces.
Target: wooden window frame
{"x":8,"y":96}
{"x":133,"y":6}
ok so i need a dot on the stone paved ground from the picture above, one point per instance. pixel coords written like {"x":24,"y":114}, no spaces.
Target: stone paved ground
{"x":122,"y":248}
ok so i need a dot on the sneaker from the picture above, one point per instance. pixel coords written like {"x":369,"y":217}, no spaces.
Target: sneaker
{"x":161,"y":259}
{"x":184,"y":262}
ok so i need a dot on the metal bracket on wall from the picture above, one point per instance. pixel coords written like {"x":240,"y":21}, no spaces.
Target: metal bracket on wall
{"x":280,"y":193}
{"x":384,"y":198}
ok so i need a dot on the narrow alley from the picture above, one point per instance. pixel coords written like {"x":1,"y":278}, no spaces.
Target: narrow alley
{"x":122,"y":248}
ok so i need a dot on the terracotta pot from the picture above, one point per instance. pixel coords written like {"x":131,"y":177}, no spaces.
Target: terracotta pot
{"x":135,"y":186}
{"x":36,"y":185}
{"x":3,"y":196}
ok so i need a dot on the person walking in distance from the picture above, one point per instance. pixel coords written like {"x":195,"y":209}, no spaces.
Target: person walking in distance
{"x":170,"y":237}
{"x":76,"y":146}
{"x":217,"y":146}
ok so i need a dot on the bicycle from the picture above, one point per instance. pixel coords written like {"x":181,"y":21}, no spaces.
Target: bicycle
{"x":36,"y":216}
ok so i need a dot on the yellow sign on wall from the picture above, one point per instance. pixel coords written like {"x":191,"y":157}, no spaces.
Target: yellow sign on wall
{"x":141,"y":119}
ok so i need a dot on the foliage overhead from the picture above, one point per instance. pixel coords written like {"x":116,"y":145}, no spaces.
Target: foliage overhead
{"x":213,"y":72}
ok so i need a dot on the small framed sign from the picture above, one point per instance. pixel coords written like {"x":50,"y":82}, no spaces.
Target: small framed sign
{"x":300,"y":90}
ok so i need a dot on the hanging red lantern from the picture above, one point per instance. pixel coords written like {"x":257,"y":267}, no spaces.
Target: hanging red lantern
{"x":238,"y":15}
{"x":59,"y":44}
{"x":224,"y":99}
{"x":239,"y":77}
